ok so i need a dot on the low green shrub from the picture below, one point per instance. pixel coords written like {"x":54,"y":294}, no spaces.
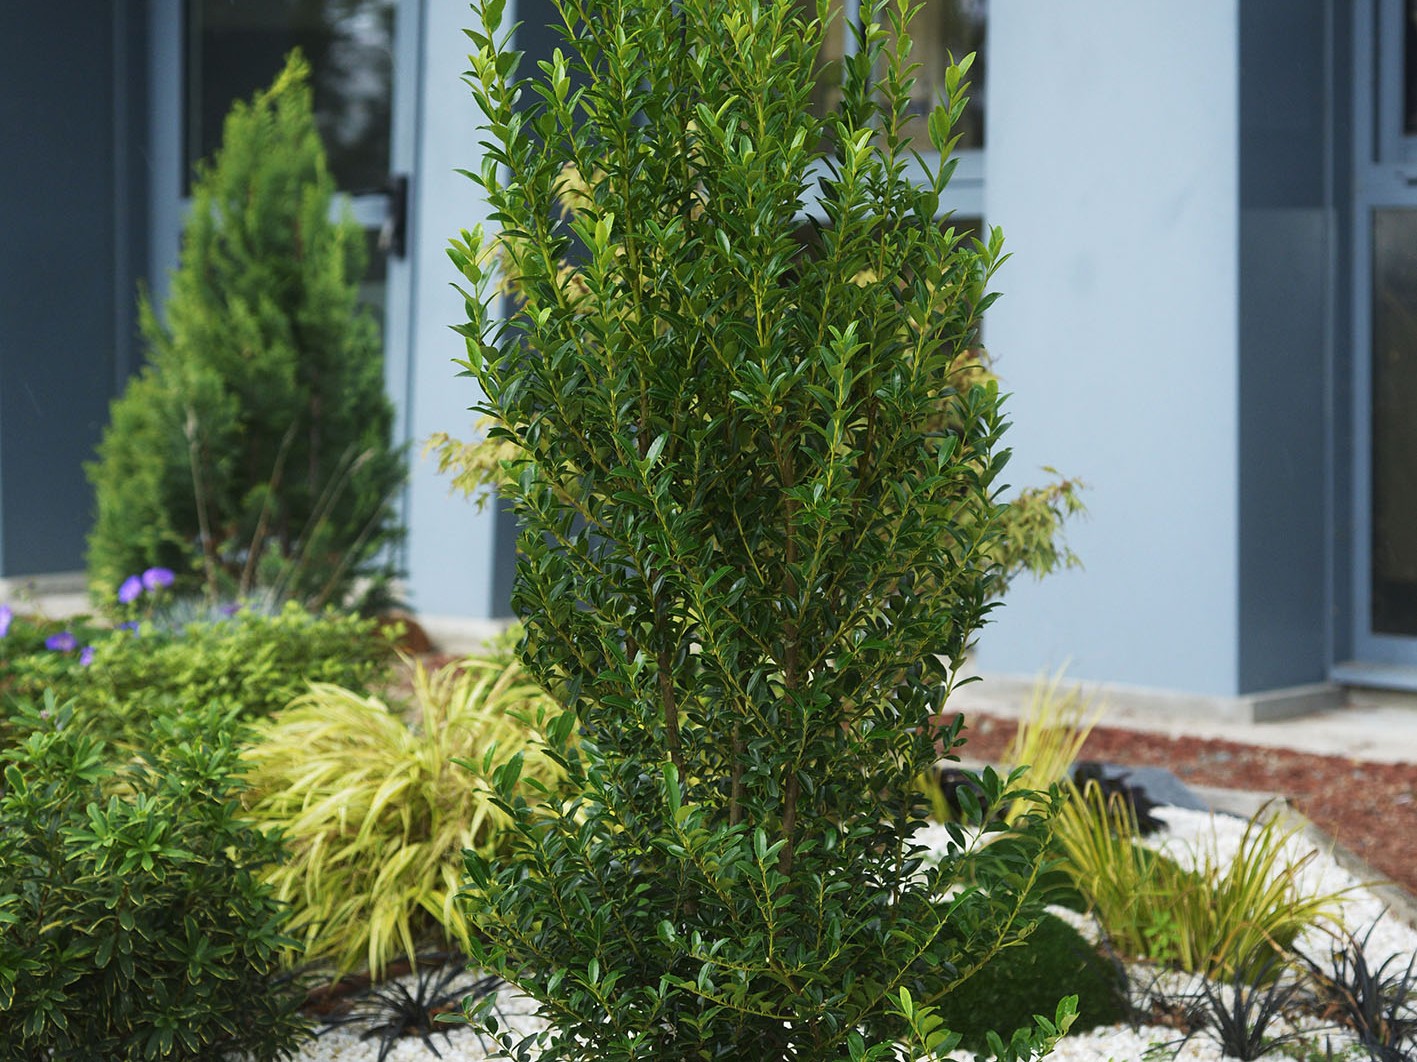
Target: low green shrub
{"x":1027,"y":978}
{"x":135,"y":923}
{"x":378,"y":804}
{"x":249,"y":664}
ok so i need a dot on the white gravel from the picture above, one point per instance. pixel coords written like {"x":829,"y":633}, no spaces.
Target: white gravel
{"x":1188,"y":833}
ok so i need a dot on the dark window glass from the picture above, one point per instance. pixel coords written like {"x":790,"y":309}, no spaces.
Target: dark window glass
{"x":235,"y":47}
{"x":1394,"y":454}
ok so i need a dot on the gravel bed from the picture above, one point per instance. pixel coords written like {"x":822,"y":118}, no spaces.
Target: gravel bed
{"x":1188,"y":834}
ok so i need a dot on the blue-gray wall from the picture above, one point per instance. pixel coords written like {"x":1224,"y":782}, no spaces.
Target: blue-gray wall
{"x":1113,"y":168}
{"x":70,"y":117}
{"x":1170,"y":177}
{"x":1165,"y":173}
{"x":453,"y":553}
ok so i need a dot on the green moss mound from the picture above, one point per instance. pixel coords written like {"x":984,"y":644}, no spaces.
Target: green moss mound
{"x":1029,"y":979}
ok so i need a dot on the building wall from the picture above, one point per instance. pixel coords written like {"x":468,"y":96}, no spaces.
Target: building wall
{"x":452,"y":548}
{"x":1113,"y":168}
{"x":1165,"y":174}
{"x":71,"y":207}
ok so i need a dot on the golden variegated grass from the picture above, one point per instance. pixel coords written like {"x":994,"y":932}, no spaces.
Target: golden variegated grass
{"x":1046,"y":744}
{"x":377,"y":804}
{"x":1225,"y":919}
{"x":1049,"y":738}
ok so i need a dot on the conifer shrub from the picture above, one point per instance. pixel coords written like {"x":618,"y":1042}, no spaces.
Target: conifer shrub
{"x":253,"y":450}
{"x":757,"y":489}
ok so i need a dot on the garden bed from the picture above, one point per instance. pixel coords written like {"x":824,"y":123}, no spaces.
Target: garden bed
{"x":1369,"y":808}
{"x":1187,"y":831}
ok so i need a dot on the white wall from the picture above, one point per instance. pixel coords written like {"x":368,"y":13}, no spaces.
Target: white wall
{"x":1112,"y":167}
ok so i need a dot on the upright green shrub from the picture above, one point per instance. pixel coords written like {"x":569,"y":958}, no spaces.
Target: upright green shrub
{"x":756,"y":486}
{"x":254,"y":449}
{"x":133,"y":923}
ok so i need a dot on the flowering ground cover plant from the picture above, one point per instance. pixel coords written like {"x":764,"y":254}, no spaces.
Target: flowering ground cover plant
{"x":249,"y":662}
{"x":24,"y":636}
{"x":757,"y":490}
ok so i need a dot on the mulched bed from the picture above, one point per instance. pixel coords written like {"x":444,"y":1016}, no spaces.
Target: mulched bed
{"x":1369,"y":808}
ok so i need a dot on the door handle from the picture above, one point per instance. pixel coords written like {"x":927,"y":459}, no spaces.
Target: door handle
{"x":393,"y":234}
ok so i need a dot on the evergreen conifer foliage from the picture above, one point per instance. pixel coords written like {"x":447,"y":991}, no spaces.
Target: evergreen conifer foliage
{"x":253,"y":450}
{"x":757,"y":488}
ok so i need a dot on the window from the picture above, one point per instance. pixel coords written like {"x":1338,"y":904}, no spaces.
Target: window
{"x":1409,"y":70}
{"x":235,"y":47}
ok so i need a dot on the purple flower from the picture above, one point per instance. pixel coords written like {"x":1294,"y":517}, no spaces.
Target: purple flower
{"x":131,"y":625}
{"x":154,"y":578}
{"x":131,"y":590}
{"x":6,"y":616}
{"x":63,"y":642}
{"x":86,"y":657}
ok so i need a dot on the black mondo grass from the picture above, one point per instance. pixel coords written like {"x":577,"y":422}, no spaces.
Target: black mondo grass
{"x":1240,"y":1014}
{"x":1378,"y":1005}
{"x":392,"y":1011}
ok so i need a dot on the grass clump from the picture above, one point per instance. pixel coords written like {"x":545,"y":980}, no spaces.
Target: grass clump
{"x":378,"y":804}
{"x":1223,"y":919}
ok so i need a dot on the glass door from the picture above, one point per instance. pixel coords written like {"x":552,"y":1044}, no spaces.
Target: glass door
{"x":1385,"y":348}
{"x":232,"y":48}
